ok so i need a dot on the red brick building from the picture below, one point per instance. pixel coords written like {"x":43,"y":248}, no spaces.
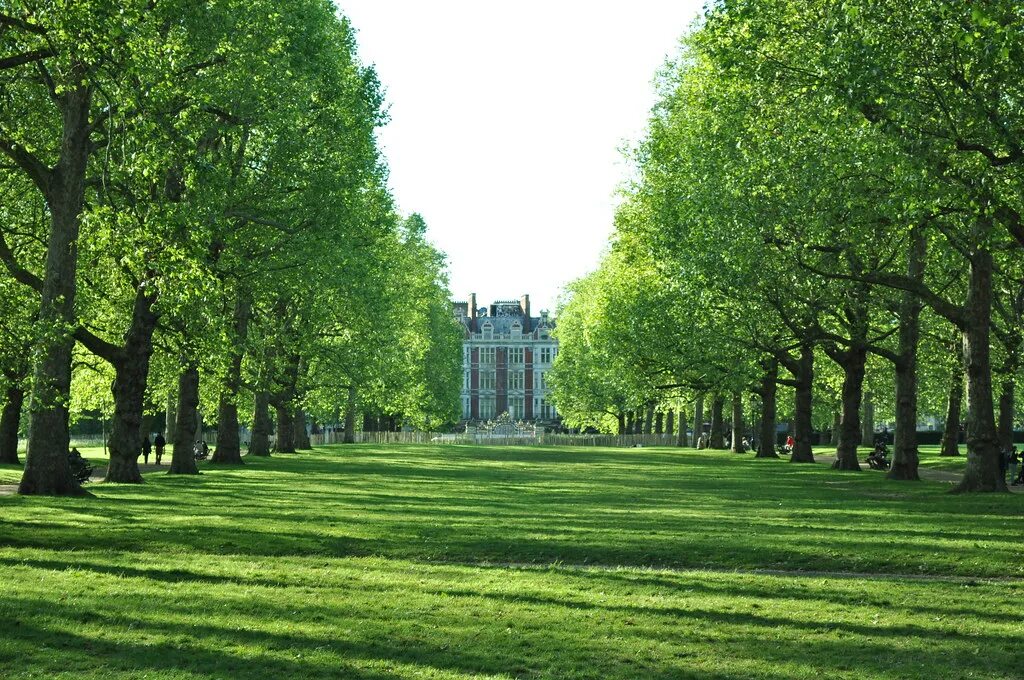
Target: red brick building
{"x":506,"y":356}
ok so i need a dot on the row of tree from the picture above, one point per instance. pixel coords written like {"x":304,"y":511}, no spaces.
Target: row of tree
{"x":195,"y":190}
{"x":829,"y":196}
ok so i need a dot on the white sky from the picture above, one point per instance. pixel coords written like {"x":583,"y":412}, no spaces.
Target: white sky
{"x":507,"y":124}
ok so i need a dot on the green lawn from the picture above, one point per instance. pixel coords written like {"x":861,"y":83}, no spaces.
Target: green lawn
{"x":468,"y":562}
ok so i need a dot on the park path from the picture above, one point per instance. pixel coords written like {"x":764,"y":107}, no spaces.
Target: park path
{"x":930,"y":475}
{"x":97,"y":476}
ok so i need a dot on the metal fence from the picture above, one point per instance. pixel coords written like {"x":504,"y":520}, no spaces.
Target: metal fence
{"x":484,"y":439}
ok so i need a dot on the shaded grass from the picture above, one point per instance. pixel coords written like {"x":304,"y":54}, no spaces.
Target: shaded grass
{"x":415,"y":562}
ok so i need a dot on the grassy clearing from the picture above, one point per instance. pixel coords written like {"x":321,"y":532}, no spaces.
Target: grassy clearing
{"x":459,"y":562}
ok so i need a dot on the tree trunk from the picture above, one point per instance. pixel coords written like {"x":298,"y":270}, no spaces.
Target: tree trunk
{"x":659,"y":423}
{"x":229,"y":449}
{"x":620,"y":419}
{"x":183,"y":460}
{"x":259,"y":444}
{"x":9,"y":423}
{"x":983,"y":471}
{"x":769,"y":390}
{"x":853,"y":363}
{"x":804,"y":391}
{"x":868,"y":426}
{"x":737,"y":424}
{"x":171,"y":424}
{"x":299,"y":427}
{"x":131,"y":373}
{"x":670,"y":422}
{"x":698,"y":419}
{"x":681,"y":429}
{"x":717,"y":438}
{"x":350,"y":417}
{"x":905,"y":457}
{"x":649,"y":418}
{"x":1006,"y":415}
{"x":951,"y":431}
{"x":46,"y":465}
{"x":285,"y":429}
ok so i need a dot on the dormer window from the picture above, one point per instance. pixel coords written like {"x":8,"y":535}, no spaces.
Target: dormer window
{"x":488,"y":330}
{"x":516,"y":329}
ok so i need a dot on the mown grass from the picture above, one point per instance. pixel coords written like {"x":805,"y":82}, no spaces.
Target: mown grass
{"x":463,"y":562}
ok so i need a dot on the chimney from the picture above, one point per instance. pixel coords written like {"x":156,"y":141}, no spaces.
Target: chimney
{"x":524,"y":304}
{"x":472,"y":313}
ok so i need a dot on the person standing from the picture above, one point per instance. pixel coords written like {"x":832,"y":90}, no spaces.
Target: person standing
{"x":160,"y":444}
{"x":1012,"y":463}
{"x":146,"y":449}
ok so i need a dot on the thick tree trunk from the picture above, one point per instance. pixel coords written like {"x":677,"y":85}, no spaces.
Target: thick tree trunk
{"x":620,"y":419}
{"x":131,"y":373}
{"x":951,"y":431}
{"x":259,"y":443}
{"x":737,"y":424}
{"x":1006,"y":415}
{"x":183,"y":460}
{"x":9,"y":422}
{"x":698,"y":419}
{"x":905,"y":457}
{"x":670,"y":422}
{"x":769,"y":391}
{"x":659,"y":423}
{"x":716,"y":440}
{"x":853,"y":364}
{"x":350,"y":417}
{"x":681,"y":429}
{"x":299,"y":427}
{"x":229,"y":449}
{"x":649,"y":418}
{"x":171,"y":418}
{"x":983,"y":469}
{"x":804,"y":391}
{"x":868,"y":425}
{"x":46,"y":465}
{"x":285,"y":429}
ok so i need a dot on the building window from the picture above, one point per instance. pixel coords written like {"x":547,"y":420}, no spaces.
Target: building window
{"x":516,"y":330}
{"x":545,"y":355}
{"x":545,"y":410}
{"x":487,"y":355}
{"x":516,"y":380}
{"x":487,"y":380}
{"x":488,"y":330}
{"x":515,"y":356}
{"x":487,"y":407}
{"x":515,"y":409}
{"x":542,"y":380}
{"x":465,"y":380}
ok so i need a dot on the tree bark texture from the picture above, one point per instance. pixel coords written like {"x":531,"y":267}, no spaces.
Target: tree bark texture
{"x":649,"y":418}
{"x":905,"y":458}
{"x":659,"y":423}
{"x":768,"y":391}
{"x":737,"y":423}
{"x":131,"y":373}
{"x":954,"y":405}
{"x":670,"y":422}
{"x":620,"y":419}
{"x":803,"y":394}
{"x":183,"y":460}
{"x":171,"y":419}
{"x":1006,"y":414}
{"x":229,"y":448}
{"x":717,"y":438}
{"x":9,"y":422}
{"x":350,"y":416}
{"x":299,"y":426}
{"x":983,"y":469}
{"x":46,"y":466}
{"x":681,"y":439}
{"x":853,"y":362}
{"x":285,"y":429}
{"x":259,"y":443}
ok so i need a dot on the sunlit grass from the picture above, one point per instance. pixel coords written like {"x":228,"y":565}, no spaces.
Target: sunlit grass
{"x":459,"y":562}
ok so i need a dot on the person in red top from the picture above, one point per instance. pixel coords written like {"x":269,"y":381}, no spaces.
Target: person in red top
{"x":790,"y":442}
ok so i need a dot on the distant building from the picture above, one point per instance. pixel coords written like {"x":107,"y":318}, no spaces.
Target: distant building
{"x":506,"y":356}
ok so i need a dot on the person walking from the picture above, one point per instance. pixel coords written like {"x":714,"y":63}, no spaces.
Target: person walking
{"x":1013,"y":462}
{"x":146,"y":449}
{"x":160,"y":444}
